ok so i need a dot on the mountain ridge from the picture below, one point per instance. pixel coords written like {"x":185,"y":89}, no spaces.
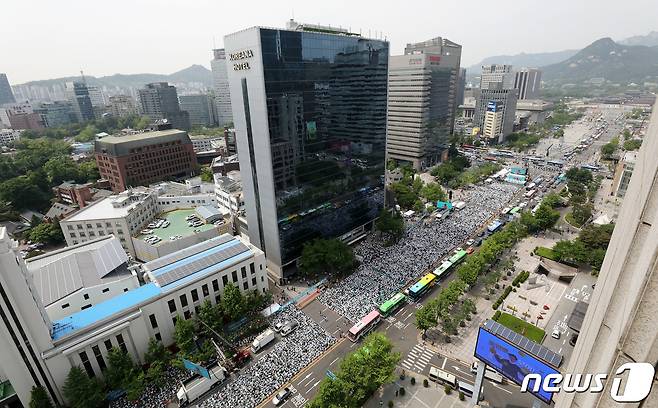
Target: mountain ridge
{"x":193,"y":73}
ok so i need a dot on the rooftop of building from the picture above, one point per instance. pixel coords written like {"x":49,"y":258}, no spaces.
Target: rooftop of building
{"x":114,"y":206}
{"x":178,"y":225}
{"x":58,"y":210}
{"x":60,"y":273}
{"x":168,"y":273}
{"x":120,"y":145}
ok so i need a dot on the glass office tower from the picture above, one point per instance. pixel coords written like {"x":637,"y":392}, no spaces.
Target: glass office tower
{"x":309,"y":107}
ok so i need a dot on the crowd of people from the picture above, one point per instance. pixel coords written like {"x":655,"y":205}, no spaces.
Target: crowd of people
{"x":384,"y":271}
{"x":153,"y":395}
{"x":270,"y":372}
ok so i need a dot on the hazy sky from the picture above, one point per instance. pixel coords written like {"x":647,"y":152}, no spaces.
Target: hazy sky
{"x":43,"y":39}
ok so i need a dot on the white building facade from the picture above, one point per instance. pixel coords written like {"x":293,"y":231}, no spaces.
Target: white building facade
{"x":40,"y":351}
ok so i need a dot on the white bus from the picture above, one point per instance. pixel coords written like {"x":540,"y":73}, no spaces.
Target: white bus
{"x":443,"y":377}
{"x":530,"y":193}
{"x":467,"y":389}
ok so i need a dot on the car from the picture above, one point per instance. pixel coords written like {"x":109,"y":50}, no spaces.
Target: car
{"x":470,"y":242}
{"x":556,"y":334}
{"x":146,"y":231}
{"x":458,"y":249}
{"x":165,"y":224}
{"x":573,"y":339}
{"x":546,"y":307}
{"x":278,"y":326}
{"x":470,"y":250}
{"x":281,"y":396}
{"x":288,"y":328}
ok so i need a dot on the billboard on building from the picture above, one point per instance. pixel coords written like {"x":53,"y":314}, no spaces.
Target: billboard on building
{"x":512,"y":362}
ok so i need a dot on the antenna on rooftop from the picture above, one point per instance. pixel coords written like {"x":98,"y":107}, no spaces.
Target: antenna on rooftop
{"x":82,"y":74}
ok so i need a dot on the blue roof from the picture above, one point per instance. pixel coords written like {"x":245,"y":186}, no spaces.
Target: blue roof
{"x":211,"y":269}
{"x":187,"y":260}
{"x":104,"y":310}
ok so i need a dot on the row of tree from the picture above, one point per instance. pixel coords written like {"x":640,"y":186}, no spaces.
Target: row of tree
{"x":444,"y":308}
{"x":86,"y":131}
{"x":361,"y":374}
{"x":588,"y":248}
{"x":327,"y":256}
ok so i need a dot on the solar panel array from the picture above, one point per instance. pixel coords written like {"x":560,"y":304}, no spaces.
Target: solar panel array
{"x":525,"y":344}
{"x":187,"y":252}
{"x":200,"y":264}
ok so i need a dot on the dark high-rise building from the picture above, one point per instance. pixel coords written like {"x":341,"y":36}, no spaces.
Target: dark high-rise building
{"x":6,"y":95}
{"x":461,"y":86}
{"x":528,"y":82}
{"x":422,"y":99}
{"x":495,"y":110}
{"x":309,"y":105}
{"x":200,"y":107}
{"x":78,"y":95}
{"x":220,"y":87}
{"x":159,"y":100}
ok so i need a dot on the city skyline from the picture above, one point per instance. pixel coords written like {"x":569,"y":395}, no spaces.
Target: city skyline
{"x":125,"y":50}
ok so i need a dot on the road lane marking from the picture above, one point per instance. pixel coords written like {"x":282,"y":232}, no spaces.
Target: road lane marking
{"x":314,"y":385}
{"x":500,"y":388}
{"x":334,"y":360}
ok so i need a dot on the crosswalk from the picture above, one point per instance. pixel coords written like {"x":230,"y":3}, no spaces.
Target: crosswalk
{"x":417,"y":359}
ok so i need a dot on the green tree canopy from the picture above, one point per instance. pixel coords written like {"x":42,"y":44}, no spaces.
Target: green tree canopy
{"x":331,"y":256}
{"x":433,"y":192}
{"x":81,"y":391}
{"x":390,"y":223}
{"x":233,"y":302}
{"x":39,"y":398}
{"x":361,"y":373}
{"x":120,"y":369}
{"x":47,"y":233}
{"x":184,"y":332}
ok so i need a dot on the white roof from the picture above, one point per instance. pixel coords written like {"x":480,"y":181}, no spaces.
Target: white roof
{"x":114,"y":206}
{"x":59,"y":273}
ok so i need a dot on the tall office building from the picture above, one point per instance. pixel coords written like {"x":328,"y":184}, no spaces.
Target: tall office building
{"x":220,"y":86}
{"x":621,"y":323}
{"x":159,"y":100}
{"x":495,"y":74}
{"x":528,"y":82}
{"x":78,"y":95}
{"x":309,"y":104}
{"x":201,"y":109}
{"x":461,"y":86}
{"x":6,"y":95}
{"x":495,"y":104}
{"x":122,"y":105}
{"x":55,"y":114}
{"x":422,"y":99}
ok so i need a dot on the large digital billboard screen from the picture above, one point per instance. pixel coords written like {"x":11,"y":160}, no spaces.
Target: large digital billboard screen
{"x":511,"y":361}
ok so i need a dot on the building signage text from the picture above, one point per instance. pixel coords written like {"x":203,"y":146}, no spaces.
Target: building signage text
{"x":241,"y":55}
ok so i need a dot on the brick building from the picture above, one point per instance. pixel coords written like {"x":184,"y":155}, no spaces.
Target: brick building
{"x":145,"y":158}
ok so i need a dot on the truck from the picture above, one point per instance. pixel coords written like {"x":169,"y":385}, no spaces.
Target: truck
{"x":262,"y":340}
{"x":198,"y":385}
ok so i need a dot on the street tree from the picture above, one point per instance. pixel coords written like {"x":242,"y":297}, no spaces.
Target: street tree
{"x":81,"y":391}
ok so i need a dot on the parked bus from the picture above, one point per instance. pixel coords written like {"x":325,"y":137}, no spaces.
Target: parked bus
{"x":364,"y":326}
{"x":555,"y":163}
{"x":530,"y":193}
{"x":443,"y":377}
{"x":467,"y":389}
{"x":419,"y":288}
{"x":457,"y":257}
{"x":515,"y":210}
{"x":530,"y":186}
{"x":391,"y":305}
{"x":442,"y":269}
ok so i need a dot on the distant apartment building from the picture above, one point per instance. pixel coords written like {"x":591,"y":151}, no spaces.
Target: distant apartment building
{"x":201,"y":108}
{"x":96,"y":96}
{"x":9,"y":136}
{"x":422,"y":99}
{"x":78,"y":95}
{"x":122,"y":106}
{"x":23,"y":121}
{"x":159,"y":100}
{"x":6,"y":94}
{"x":145,"y":158}
{"x":55,"y":114}
{"x":528,"y":83}
{"x":221,"y":87}
{"x":503,"y":103}
{"x":495,"y":74}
